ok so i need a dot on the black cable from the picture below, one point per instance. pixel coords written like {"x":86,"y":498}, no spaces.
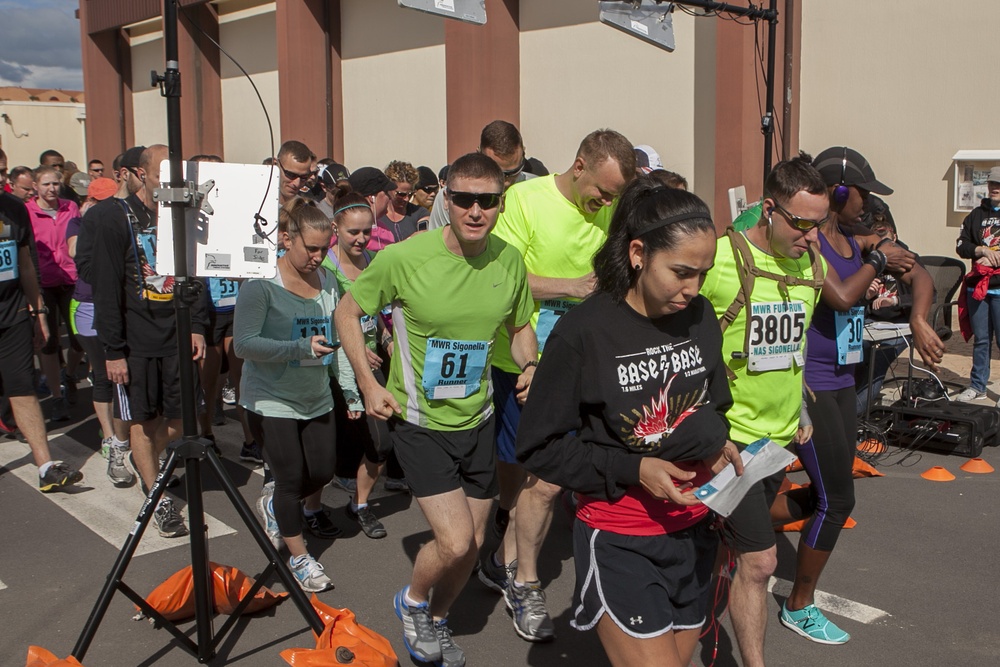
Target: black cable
{"x":258,"y":218}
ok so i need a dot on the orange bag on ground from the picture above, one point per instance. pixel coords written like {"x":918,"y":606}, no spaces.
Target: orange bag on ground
{"x":174,"y":598}
{"x":39,"y":657}
{"x":343,"y":641}
{"x":862,"y":469}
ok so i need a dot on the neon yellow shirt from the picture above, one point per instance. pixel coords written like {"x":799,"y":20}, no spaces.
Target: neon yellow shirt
{"x":765,"y":403}
{"x":556,"y":240}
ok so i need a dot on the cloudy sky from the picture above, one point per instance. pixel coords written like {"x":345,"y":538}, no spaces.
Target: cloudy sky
{"x":40,"y":44}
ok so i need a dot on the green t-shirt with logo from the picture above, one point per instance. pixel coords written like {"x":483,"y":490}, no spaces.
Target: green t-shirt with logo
{"x":556,"y":239}
{"x":447,"y":311}
{"x":766,"y":403}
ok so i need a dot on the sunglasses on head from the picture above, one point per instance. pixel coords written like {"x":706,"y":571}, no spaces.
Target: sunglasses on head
{"x":511,"y":173}
{"x":486,"y":200}
{"x":801,"y":224}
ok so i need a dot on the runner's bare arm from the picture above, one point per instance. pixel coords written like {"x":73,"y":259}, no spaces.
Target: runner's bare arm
{"x":379,"y":402}
{"x":523,"y":349}
{"x":560,"y":288}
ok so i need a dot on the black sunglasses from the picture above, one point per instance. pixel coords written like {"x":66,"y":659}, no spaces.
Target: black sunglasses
{"x":291,"y":175}
{"x":802,"y":224}
{"x":429,"y":189}
{"x":486,"y":200}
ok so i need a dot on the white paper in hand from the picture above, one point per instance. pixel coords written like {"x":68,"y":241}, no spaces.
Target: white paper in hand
{"x":760,"y":459}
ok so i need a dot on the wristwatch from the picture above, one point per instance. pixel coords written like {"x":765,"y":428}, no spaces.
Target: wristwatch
{"x":528,"y":365}
{"x":44,"y":310}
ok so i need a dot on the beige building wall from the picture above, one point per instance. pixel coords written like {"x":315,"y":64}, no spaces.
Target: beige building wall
{"x":393,"y":64}
{"x":249,"y":36}
{"x":908,"y":85}
{"x":578,"y":75}
{"x":149,"y":109}
{"x":34,"y":127}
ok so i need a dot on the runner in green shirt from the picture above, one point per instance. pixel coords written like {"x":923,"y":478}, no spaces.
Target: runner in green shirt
{"x":451,"y":290}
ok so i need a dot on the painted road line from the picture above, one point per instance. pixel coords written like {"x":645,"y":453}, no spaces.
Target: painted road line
{"x":107,"y":511}
{"x":834,"y":604}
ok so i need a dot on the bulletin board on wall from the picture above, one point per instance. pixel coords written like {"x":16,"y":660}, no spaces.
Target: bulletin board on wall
{"x":971,"y":168}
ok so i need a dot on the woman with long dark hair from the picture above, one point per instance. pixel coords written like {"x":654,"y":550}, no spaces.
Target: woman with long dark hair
{"x":627,"y":409}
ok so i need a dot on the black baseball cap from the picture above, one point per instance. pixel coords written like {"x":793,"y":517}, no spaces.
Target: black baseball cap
{"x":329,"y":174}
{"x":369,"y":181}
{"x":426,"y":177}
{"x":132,"y":157}
{"x":842,"y":165}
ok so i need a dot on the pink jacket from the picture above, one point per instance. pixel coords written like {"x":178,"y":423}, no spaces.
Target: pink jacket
{"x":55,"y":266}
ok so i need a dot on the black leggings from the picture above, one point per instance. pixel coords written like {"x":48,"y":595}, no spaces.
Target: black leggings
{"x":368,"y":436}
{"x":302,"y":454}
{"x":829,"y":460}
{"x":103,"y":387}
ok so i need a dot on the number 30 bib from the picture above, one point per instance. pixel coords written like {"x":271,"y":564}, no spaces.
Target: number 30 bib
{"x":454,"y":368}
{"x":850,"y":335}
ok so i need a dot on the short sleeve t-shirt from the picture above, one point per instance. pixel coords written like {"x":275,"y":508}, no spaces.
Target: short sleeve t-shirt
{"x":369,"y":323}
{"x":765,"y":403}
{"x":386,"y":232}
{"x":447,"y":311}
{"x":15,"y":233}
{"x":556,"y":240}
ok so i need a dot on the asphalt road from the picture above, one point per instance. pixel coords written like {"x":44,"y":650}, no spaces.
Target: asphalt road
{"x":913,"y":583}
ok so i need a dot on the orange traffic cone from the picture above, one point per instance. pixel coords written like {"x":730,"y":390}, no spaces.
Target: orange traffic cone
{"x":976,"y":465}
{"x":938,"y":474}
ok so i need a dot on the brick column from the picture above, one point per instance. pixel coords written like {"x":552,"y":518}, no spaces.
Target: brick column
{"x":483,"y":74}
{"x":201,"y":84}
{"x":308,"y":87}
{"x":107,"y":84}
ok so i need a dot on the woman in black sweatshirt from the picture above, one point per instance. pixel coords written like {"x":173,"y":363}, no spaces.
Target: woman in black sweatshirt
{"x":627,"y":409}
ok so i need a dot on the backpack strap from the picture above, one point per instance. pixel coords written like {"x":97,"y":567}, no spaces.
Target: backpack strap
{"x":747,"y":272}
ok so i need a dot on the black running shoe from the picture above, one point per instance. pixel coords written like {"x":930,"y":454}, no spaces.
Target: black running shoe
{"x":320,"y":525}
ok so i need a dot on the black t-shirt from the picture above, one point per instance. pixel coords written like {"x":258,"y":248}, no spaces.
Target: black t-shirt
{"x":406,"y":227}
{"x":15,"y":233}
{"x":614,"y":386}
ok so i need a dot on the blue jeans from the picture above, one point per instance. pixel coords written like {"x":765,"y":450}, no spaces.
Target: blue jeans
{"x":985,"y":318}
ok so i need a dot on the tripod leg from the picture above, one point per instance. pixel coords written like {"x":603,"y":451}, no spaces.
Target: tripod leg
{"x":250,"y":520}
{"x":204,"y":602}
{"x":124,"y":558}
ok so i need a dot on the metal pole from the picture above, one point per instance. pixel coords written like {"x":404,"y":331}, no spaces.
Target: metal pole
{"x":767,"y":124}
{"x":184,"y":295}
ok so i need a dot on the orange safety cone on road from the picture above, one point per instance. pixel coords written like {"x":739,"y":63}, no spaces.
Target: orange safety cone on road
{"x":937,"y":474}
{"x":976,"y":465}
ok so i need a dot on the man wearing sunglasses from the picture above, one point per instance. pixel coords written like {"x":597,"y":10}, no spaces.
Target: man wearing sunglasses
{"x":501,"y":142}
{"x":453,"y":290}
{"x":763,"y":338}
{"x":296,"y":169}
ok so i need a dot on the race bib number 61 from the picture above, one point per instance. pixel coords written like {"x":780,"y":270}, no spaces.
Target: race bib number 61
{"x":454,"y":368}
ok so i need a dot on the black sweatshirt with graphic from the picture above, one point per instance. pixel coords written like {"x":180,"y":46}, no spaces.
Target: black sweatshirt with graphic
{"x":614,"y":386}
